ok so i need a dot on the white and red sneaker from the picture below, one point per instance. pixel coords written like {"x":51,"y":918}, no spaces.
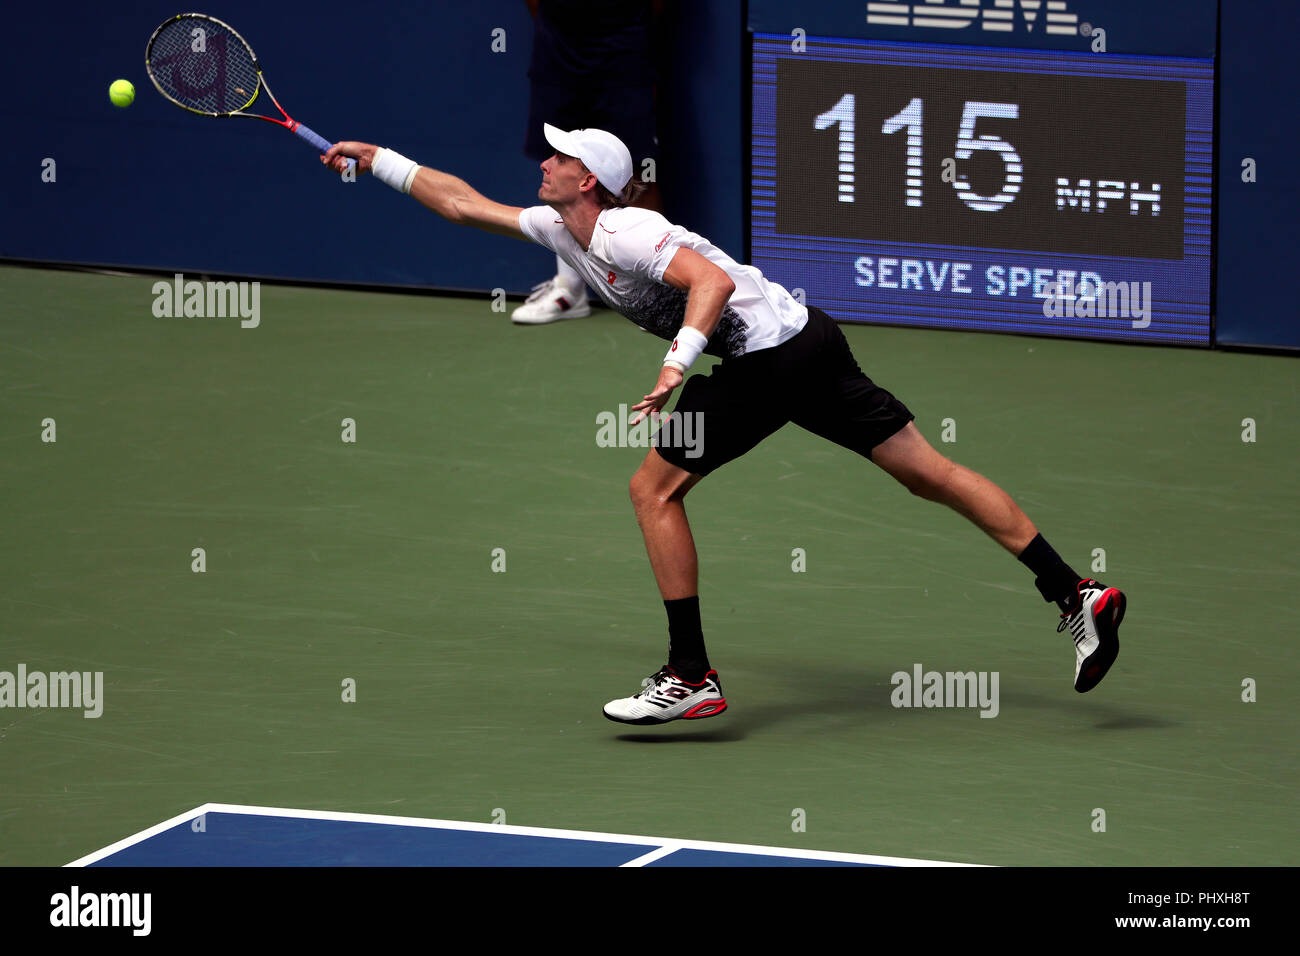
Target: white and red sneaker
{"x":665,"y":697}
{"x":552,"y":301}
{"x":1093,"y":618}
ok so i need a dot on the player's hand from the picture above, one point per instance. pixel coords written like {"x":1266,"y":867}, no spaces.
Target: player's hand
{"x":652,"y":404}
{"x":337,"y":156}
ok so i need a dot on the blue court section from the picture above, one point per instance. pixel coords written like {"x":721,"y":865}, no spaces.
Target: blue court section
{"x":239,"y":839}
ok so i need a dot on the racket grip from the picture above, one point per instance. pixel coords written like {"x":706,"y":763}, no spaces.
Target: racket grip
{"x":302,"y":132}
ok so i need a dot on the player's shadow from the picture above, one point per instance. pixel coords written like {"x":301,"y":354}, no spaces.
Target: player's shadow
{"x":1135,"y":722}
{"x":865,"y":696}
{"x":720,"y":735}
{"x":815,"y":692}
{"x":1092,"y":709}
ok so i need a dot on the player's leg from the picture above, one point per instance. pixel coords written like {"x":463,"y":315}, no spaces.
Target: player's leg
{"x":730,"y":412}
{"x":846,"y":407}
{"x":1091,"y":611}
{"x":687,"y":687}
{"x":914,"y":463}
{"x":657,"y":491}
{"x":717,"y":418}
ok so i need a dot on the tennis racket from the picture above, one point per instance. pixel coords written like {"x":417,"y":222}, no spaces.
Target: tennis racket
{"x":203,"y":65}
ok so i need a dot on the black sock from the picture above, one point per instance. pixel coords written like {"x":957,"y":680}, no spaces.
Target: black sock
{"x":1055,"y":579}
{"x":686,"y":639}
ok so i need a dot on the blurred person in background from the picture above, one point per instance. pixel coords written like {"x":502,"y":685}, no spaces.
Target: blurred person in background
{"x":593,"y":65}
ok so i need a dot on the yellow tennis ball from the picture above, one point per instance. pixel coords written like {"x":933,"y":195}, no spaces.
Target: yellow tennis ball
{"x":122,"y":93}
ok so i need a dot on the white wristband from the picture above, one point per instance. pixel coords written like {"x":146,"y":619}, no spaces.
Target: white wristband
{"x":686,"y":348}
{"x":394,"y":169}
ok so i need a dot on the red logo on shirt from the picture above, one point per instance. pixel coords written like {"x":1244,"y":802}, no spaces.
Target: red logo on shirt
{"x":612,"y":277}
{"x":674,"y":348}
{"x":662,"y":241}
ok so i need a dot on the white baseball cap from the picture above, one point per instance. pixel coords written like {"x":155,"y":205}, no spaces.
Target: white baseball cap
{"x":603,"y":153}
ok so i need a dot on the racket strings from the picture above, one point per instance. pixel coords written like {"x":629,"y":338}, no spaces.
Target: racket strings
{"x":211,"y":72}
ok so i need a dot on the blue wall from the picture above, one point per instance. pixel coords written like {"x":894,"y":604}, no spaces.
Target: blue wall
{"x":154,"y":186}
{"x":1257,"y":222}
{"x":704,"y":108}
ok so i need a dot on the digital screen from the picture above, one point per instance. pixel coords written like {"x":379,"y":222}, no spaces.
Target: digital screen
{"x":1013,"y":190}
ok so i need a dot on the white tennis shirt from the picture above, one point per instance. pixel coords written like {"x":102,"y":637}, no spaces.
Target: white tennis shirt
{"x":630,"y":250}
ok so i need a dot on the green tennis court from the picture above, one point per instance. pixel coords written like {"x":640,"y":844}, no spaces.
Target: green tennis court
{"x":480,"y":690}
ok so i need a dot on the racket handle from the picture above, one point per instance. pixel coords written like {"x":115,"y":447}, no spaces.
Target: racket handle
{"x":302,"y":132}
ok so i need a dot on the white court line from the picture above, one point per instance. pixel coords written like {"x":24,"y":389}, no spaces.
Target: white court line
{"x":136,"y":838}
{"x":669,"y":844}
{"x":653,"y":855}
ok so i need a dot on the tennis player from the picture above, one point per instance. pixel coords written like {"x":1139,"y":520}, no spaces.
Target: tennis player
{"x":781,"y":362}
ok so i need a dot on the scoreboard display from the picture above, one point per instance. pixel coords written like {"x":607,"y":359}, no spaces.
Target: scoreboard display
{"x":976,"y":187}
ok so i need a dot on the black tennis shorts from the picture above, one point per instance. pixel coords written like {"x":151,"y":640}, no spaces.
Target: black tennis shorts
{"x":811,"y":380}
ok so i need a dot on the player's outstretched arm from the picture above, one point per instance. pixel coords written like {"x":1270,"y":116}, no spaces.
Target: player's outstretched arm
{"x":447,"y":195}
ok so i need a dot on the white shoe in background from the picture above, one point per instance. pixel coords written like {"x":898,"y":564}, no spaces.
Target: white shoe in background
{"x":551,"y":301}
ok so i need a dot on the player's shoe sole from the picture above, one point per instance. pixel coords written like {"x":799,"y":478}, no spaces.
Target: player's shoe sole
{"x":666,"y":697}
{"x":1094,"y":625}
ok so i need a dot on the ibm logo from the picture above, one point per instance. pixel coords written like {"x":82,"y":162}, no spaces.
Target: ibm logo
{"x":997,"y":15}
